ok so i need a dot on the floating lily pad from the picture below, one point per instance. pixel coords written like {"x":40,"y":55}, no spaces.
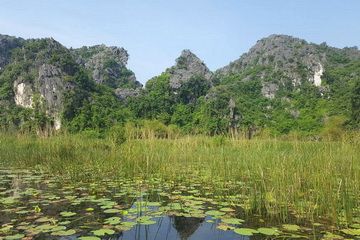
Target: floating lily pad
{"x":143,"y":218}
{"x":129,"y":224}
{"x":224,"y":227}
{"x":64,"y":233}
{"x":112,"y":210}
{"x":356,"y":225}
{"x":112,"y":220}
{"x":22,"y":212}
{"x":44,"y":219}
{"x":353,"y":232}
{"x":17,"y":236}
{"x":149,"y":222}
{"x":89,"y":238}
{"x":123,"y":228}
{"x":103,"y":232}
{"x":67,"y":214}
{"x":329,"y":236}
{"x":291,"y":227}
{"x":268,"y":231}
{"x":58,"y":228}
{"x":64,"y":223}
{"x":245,"y":231}
{"x":233,"y":220}
{"x":226,"y":209}
{"x":214,"y":213}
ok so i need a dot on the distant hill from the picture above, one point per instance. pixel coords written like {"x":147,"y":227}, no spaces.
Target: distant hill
{"x":283,"y":85}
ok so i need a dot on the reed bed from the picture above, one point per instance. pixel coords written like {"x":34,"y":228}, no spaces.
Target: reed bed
{"x":309,"y":179}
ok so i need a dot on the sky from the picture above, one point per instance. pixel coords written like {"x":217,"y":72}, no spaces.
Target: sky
{"x":154,"y":32}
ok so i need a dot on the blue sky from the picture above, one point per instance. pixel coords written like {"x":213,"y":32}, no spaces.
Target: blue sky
{"x":154,"y":32}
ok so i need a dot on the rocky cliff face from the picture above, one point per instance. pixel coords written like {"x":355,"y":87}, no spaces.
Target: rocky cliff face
{"x":282,"y":53}
{"x":46,"y":89}
{"x":38,"y":73}
{"x":279,"y":59}
{"x":107,"y":65}
{"x":188,"y":65}
{"x":41,"y":71}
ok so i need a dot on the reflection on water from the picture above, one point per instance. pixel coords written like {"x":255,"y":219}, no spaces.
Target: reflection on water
{"x":32,"y":205}
{"x":38,"y":206}
{"x":186,"y":226}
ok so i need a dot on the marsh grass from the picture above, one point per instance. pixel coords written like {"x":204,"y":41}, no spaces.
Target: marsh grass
{"x":308,"y":179}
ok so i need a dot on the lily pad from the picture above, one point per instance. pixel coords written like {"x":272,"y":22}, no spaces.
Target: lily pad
{"x":22,"y":212}
{"x":67,"y":214}
{"x":64,"y":223}
{"x":102,"y":232}
{"x":355,"y":225}
{"x":149,"y":222}
{"x":353,"y":232}
{"x":245,"y":231}
{"x":112,"y":220}
{"x":129,"y":224}
{"x":233,"y":220}
{"x":112,"y":210}
{"x":58,"y":228}
{"x":291,"y":227}
{"x":17,"y":236}
{"x":329,"y":236}
{"x":224,"y":227}
{"x":89,"y":238}
{"x":227,"y":209}
{"x":214,"y":213}
{"x":64,"y":233}
{"x":268,"y":231}
{"x":123,"y":228}
{"x":144,"y":218}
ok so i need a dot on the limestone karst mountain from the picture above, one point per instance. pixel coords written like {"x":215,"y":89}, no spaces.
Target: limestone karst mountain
{"x":188,"y":65}
{"x":283,"y":83}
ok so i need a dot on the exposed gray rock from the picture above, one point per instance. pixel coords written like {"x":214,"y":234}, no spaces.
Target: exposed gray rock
{"x":107,"y":65}
{"x":46,"y":89}
{"x":51,"y":86}
{"x":24,"y":95}
{"x":269,"y":89}
{"x":295,"y":113}
{"x":279,"y":58}
{"x":125,"y":93}
{"x":187,"y":66}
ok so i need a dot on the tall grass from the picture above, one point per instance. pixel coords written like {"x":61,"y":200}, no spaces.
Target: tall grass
{"x":310,"y":179}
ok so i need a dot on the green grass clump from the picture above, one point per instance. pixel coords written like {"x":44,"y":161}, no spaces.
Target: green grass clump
{"x":310,"y":179}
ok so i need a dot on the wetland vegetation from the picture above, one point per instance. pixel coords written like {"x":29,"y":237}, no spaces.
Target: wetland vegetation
{"x":232,"y":188}
{"x":267,"y":147}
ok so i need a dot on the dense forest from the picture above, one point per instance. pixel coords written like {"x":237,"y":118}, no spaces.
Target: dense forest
{"x":283,"y":86}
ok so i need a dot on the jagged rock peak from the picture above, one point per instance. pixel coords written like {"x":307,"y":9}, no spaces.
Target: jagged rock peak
{"x":88,"y":55}
{"x":107,"y":64}
{"x":280,"y":51}
{"x":187,"y":65}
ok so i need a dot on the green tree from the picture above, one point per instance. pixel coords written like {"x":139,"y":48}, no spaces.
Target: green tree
{"x":192,"y":89}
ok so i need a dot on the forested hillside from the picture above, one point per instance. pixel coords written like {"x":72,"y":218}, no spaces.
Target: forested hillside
{"x":282,"y":86}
